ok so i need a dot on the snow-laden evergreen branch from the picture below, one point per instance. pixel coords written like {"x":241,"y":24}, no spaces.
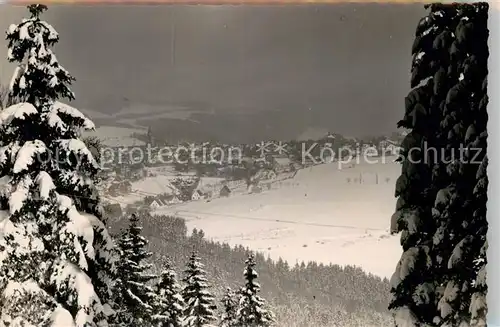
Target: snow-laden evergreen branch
{"x":58,"y":261}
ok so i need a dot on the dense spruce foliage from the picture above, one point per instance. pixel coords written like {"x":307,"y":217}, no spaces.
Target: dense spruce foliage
{"x":252,"y":309}
{"x":169,"y":304}
{"x":134,"y":295}
{"x":441,"y":207}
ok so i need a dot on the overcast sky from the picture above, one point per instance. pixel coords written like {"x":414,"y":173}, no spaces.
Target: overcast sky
{"x":340,"y":67}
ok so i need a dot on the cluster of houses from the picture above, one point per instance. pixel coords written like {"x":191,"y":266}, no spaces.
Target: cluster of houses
{"x":161,"y":200}
{"x":164,"y":200}
{"x":268,"y":168}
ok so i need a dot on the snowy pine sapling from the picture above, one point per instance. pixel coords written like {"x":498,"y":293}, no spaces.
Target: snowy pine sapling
{"x":199,"y":310}
{"x":230,"y":303}
{"x":136,"y":297}
{"x":57,"y":260}
{"x":252,"y":310}
{"x":169,"y":304}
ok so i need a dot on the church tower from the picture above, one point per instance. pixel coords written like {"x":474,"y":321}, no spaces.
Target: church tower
{"x":151,"y":138}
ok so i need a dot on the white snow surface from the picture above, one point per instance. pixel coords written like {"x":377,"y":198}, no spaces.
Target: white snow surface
{"x":62,"y":318}
{"x":20,"y":195}
{"x":317,"y":216}
{"x":155,"y":185}
{"x":45,"y":184}
{"x":27,"y":155}
{"x":16,"y":111}
{"x":112,"y":136}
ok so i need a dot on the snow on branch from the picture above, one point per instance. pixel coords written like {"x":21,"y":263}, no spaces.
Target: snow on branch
{"x":68,"y":276}
{"x":8,"y":152}
{"x":79,"y":149}
{"x":80,"y":226}
{"x":99,"y":243}
{"x":45,"y":184}
{"x":104,"y":247}
{"x":407,"y":264}
{"x":22,"y":236}
{"x":459,"y":250}
{"x":26,"y":155}
{"x":36,"y":310}
{"x":16,"y":111}
{"x":59,"y":109}
{"x":20,"y":195}
{"x":61,"y":318}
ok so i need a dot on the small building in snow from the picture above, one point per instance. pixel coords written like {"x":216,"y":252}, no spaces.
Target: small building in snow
{"x":169,"y":199}
{"x":197,"y":195}
{"x":253,"y":189}
{"x":282,"y":164}
{"x":225,"y":191}
{"x":156,"y":203}
{"x":162,"y":200}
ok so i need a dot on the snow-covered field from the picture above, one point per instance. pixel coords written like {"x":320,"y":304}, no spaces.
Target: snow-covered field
{"x":160,"y":184}
{"x":113,"y":136}
{"x":325,"y":214}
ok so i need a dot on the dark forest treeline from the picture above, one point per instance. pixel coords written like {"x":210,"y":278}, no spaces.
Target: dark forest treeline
{"x":309,"y":291}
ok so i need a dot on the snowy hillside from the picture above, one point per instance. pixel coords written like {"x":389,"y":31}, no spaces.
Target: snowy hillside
{"x":324,"y":214}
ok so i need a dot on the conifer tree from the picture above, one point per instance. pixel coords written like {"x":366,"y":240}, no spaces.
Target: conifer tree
{"x":460,"y":205}
{"x":230,"y":306}
{"x":441,"y":209}
{"x":136,"y":298}
{"x":252,"y":309}
{"x":169,"y":303}
{"x":57,"y":259}
{"x":199,"y":308}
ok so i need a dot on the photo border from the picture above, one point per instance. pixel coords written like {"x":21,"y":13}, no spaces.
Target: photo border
{"x":493,"y":205}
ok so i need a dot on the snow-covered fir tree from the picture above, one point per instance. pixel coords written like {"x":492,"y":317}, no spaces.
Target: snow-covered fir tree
{"x":136,"y":297}
{"x":439,"y":280}
{"x":169,"y":304}
{"x":230,"y":304}
{"x":57,"y":259}
{"x":253,"y":310}
{"x":460,"y":204}
{"x":199,"y":310}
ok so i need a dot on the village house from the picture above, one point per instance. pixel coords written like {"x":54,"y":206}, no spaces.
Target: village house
{"x":282,"y":164}
{"x":254,"y":188}
{"x":197,"y":195}
{"x":225,"y":191}
{"x":169,"y":199}
{"x":162,"y":200}
{"x":154,"y":203}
